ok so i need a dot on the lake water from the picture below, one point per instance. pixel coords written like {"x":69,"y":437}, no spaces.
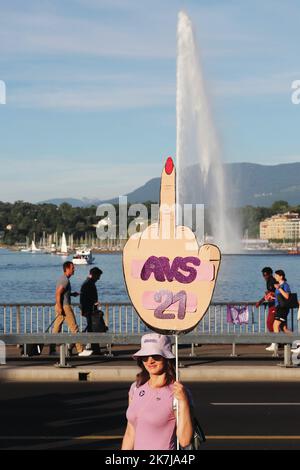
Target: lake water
{"x":31,"y":278}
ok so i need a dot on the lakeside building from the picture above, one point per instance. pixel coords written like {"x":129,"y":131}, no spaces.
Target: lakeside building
{"x":281,"y":227}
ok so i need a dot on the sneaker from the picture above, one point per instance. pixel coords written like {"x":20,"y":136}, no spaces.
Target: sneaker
{"x":85,"y":353}
{"x":272,"y":347}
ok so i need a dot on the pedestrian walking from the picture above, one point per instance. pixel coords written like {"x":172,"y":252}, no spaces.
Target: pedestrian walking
{"x":89,"y":303}
{"x":63,"y":307}
{"x":151,"y":418}
{"x":282,"y":294}
{"x":269,"y":299}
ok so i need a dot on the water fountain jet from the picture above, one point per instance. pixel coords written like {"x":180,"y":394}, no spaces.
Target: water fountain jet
{"x":200,"y":171}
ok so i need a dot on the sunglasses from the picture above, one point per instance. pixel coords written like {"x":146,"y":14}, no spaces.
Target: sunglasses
{"x":155,"y":357}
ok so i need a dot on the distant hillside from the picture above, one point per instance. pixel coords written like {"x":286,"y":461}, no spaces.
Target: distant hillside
{"x":261,"y":185}
{"x":69,"y":200}
{"x":249,"y":184}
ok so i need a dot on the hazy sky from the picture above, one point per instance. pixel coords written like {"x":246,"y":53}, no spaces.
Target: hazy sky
{"x":91,"y":89}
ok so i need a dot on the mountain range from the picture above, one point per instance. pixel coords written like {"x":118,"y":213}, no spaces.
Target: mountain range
{"x":248,"y":183}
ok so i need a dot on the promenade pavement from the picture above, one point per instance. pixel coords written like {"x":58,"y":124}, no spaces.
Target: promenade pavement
{"x":211,"y":363}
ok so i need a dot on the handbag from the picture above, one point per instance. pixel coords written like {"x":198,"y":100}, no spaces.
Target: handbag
{"x":291,"y":302}
{"x":33,"y":349}
{"x":198,"y":437}
{"x":98,"y":323}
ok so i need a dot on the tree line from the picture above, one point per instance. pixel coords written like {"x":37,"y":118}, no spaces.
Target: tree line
{"x":21,"y":220}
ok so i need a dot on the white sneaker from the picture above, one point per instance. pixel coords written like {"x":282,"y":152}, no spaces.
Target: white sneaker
{"x":85,"y":353}
{"x":273,"y":347}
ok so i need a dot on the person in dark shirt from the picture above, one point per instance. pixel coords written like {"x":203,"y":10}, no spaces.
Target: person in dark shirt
{"x":89,"y":301}
{"x":269,"y":299}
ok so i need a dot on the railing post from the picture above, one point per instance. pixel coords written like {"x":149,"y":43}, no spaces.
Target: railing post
{"x":109,"y":353}
{"x":107,"y":314}
{"x":18,"y":319}
{"x":2,"y":353}
{"x":108,"y":346}
{"x":287,"y":356}
{"x":24,"y":351}
{"x":126,"y":320}
{"x":31,"y":319}
{"x":192,"y":353}
{"x":68,"y":350}
{"x":233,"y":353}
{"x":4,"y":319}
{"x":114,"y":318}
{"x":62,"y":358}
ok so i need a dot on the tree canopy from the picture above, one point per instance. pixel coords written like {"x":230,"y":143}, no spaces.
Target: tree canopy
{"x":22,"y":219}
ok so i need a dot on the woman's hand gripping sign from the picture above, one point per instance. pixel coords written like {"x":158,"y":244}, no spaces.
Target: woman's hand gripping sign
{"x":170,"y":279}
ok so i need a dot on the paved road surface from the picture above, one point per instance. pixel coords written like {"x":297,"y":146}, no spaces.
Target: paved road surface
{"x":92,"y":415}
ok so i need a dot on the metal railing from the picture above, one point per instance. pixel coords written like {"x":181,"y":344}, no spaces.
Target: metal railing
{"x":27,"y":323}
{"x":65,"y":339}
{"x":121,"y":318}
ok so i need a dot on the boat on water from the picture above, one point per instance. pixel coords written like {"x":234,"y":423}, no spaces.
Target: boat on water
{"x":32,"y":249}
{"x":50,"y":250}
{"x":63,"y":247}
{"x":294,"y":251}
{"x":83,"y":257}
{"x":53,"y":249}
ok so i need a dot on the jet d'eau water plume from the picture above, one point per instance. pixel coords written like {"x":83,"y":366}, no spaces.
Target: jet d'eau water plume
{"x":200,"y":172}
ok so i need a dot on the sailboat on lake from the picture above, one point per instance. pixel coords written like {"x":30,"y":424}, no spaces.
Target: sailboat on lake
{"x":63,"y":247}
{"x":32,"y":249}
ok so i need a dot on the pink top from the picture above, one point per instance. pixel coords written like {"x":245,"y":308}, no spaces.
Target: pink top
{"x":150,"y":412}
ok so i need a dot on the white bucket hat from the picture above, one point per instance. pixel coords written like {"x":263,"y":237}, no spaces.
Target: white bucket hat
{"x":153,"y":343}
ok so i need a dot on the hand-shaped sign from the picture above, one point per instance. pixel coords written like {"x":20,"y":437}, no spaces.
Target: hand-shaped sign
{"x":170,"y":279}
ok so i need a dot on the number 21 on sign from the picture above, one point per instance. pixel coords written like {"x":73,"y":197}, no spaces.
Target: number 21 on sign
{"x":168,"y":298}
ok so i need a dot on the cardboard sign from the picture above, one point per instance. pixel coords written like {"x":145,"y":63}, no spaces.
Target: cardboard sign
{"x":170,"y":279}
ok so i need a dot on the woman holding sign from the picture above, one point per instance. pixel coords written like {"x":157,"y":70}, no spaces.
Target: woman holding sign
{"x":150,"y":414}
{"x":170,"y":281}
